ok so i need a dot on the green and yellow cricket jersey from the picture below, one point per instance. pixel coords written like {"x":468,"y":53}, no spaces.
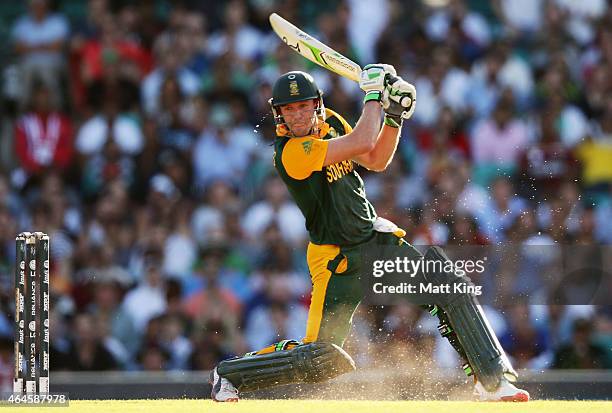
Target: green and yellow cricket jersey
{"x":332,"y":198}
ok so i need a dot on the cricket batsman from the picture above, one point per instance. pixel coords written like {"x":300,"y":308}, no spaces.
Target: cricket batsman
{"x":316,"y":155}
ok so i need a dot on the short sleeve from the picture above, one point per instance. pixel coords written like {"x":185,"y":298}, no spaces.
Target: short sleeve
{"x":302,"y":156}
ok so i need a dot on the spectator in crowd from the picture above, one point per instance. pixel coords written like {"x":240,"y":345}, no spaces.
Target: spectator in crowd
{"x":148,"y":299}
{"x":107,"y":307}
{"x":153,"y":358}
{"x":484,"y":88}
{"x":522,"y":16}
{"x":237,"y":35}
{"x":175,"y":117}
{"x":43,"y":135}
{"x":87,"y":351}
{"x":168,"y":65}
{"x":107,"y":143}
{"x":505,"y":207}
{"x":204,"y":292}
{"x":209,"y":219}
{"x":111,"y":45}
{"x":547,"y":163}
{"x":275,"y":208}
{"x":498,"y":141}
{"x":174,"y":341}
{"x":110,"y":105}
{"x":268,"y":324}
{"x":581,"y":352}
{"x":523,"y":341}
{"x":39,"y":39}
{"x":212,"y":346}
{"x":594,"y":154}
{"x":561,"y":118}
{"x":217,"y":153}
{"x":442,"y":84}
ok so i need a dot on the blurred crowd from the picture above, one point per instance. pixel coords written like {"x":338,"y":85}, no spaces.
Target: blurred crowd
{"x":137,"y":135}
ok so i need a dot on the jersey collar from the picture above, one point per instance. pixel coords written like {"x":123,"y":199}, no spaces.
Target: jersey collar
{"x":282,"y":130}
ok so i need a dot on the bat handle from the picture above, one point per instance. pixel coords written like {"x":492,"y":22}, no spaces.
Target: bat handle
{"x":405,"y":101}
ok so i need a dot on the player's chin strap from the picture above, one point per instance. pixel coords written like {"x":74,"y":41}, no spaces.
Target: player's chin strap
{"x":305,"y":363}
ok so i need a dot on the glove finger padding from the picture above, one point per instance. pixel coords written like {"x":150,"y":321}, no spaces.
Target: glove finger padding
{"x":393,"y":110}
{"x":389,"y":69}
{"x":402,"y":93}
{"x":373,"y":80}
{"x":391,"y":104}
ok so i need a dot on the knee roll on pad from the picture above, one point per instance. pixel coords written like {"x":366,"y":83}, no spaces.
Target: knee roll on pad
{"x":480,"y":345}
{"x":281,"y":345}
{"x":446,"y":330}
{"x":306,"y":363}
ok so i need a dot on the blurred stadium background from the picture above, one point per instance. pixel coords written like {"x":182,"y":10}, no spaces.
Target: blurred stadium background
{"x":137,"y":135}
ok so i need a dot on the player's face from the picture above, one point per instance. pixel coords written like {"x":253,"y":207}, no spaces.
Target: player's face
{"x":300,"y":117}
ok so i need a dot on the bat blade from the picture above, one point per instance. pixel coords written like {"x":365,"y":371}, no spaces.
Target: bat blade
{"x":314,"y":50}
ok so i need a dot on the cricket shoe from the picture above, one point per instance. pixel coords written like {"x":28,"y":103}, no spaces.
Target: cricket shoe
{"x":222,"y":389}
{"x":506,"y":392}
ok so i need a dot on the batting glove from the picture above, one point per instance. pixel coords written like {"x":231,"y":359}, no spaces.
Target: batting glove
{"x":372,"y":80}
{"x":398,"y":101}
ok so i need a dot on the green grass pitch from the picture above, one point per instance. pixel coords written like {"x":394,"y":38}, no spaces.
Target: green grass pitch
{"x":324,"y":406}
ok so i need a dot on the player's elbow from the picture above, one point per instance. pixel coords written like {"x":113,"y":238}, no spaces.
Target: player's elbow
{"x":361,"y":148}
{"x":379,"y":167}
{"x":367,"y":146}
{"x":363,"y":140}
{"x":374,"y":161}
{"x":373,"y":164}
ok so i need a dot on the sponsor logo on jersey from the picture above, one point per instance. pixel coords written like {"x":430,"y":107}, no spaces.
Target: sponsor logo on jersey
{"x":307,"y":145}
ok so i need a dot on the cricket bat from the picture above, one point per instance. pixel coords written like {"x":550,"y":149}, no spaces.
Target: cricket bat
{"x":314,"y":50}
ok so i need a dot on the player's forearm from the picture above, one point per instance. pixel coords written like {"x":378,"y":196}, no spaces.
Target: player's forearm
{"x":365,"y":134}
{"x":385,"y":148}
{"x":360,"y":141}
{"x":382,"y":154}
